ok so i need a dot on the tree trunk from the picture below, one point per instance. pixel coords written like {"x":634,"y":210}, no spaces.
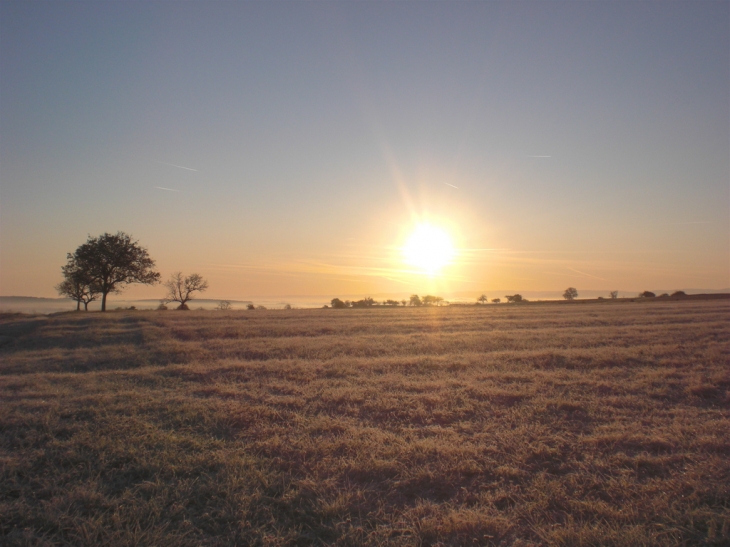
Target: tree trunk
{"x":103,"y":301}
{"x":86,"y":306}
{"x":78,"y":305}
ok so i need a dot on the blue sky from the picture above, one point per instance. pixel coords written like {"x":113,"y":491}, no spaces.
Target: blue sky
{"x":320,"y":133}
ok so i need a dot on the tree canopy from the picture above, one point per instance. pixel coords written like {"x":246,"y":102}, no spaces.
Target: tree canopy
{"x":77,"y":285}
{"x":571,"y":293}
{"x":111,"y":261}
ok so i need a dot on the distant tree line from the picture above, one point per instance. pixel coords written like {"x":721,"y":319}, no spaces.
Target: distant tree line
{"x":369,"y":302}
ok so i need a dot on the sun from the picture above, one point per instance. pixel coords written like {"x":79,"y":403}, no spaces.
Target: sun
{"x":428,"y":248}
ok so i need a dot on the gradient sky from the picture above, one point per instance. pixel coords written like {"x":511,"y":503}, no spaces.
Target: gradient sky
{"x":290,"y":148}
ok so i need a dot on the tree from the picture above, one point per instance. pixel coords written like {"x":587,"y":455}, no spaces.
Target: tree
{"x":514,"y":299}
{"x":647,"y":294}
{"x":337,"y":303}
{"x":483,"y":299}
{"x":223,"y":305}
{"x":404,"y":302}
{"x":571,"y":293}
{"x":613,"y":295}
{"x":496,"y":300}
{"x":111,"y":261}
{"x":415,"y":300}
{"x":77,"y":286}
{"x":181,"y":289}
{"x":679,"y":293}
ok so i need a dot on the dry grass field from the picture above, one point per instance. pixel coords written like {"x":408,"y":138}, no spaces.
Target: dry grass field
{"x":504,"y":425}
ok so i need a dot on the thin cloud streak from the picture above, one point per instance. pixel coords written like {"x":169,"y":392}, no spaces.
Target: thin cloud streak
{"x":587,"y":274}
{"x":178,"y":166}
{"x":447,"y":184}
{"x":168,"y":189}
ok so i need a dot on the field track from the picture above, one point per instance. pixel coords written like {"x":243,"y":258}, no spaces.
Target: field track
{"x":503,"y":425}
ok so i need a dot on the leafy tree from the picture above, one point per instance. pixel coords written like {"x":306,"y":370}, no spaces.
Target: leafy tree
{"x":390,"y":302}
{"x":415,"y":300}
{"x":679,"y":293}
{"x":77,"y":286}
{"x":571,"y":293}
{"x":111,"y":261}
{"x":250,"y":307}
{"x":496,"y":300}
{"x":404,"y":302}
{"x":647,"y":294}
{"x":613,"y":295}
{"x":514,"y":299}
{"x":483,"y":299}
{"x":337,"y":303}
{"x":181,"y":289}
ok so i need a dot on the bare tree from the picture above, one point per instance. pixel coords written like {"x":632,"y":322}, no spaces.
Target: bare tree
{"x":571,"y":293}
{"x":181,"y":289}
{"x":111,"y":261}
{"x":223,"y":305}
{"x":482,"y":299}
{"x":613,"y":295}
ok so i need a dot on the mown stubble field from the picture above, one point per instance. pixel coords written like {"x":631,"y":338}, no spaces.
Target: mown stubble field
{"x":593,"y":424}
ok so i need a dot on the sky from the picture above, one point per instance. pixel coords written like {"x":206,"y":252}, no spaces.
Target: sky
{"x":292,"y":148}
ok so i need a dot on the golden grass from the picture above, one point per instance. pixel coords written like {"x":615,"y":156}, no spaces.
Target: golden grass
{"x":501,"y":425}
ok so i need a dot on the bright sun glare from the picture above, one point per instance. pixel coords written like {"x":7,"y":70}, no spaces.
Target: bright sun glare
{"x":428,"y":248}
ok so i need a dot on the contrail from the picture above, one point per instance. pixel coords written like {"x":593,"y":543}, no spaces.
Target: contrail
{"x":168,"y":189}
{"x":589,"y":275}
{"x":694,"y":222}
{"x":447,"y":184}
{"x":178,"y":166}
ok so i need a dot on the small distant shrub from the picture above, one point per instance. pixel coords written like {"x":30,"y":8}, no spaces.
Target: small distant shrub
{"x":223,"y":305}
{"x":260,"y":307}
{"x":496,"y":300}
{"x":250,"y":307}
{"x":679,"y":293}
{"x":162,"y":306}
{"x":287,"y":306}
{"x":570,"y":293}
{"x":664,"y":295}
{"x":647,"y":294}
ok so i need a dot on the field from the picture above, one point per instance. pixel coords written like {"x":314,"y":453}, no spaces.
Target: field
{"x":483,"y":425}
